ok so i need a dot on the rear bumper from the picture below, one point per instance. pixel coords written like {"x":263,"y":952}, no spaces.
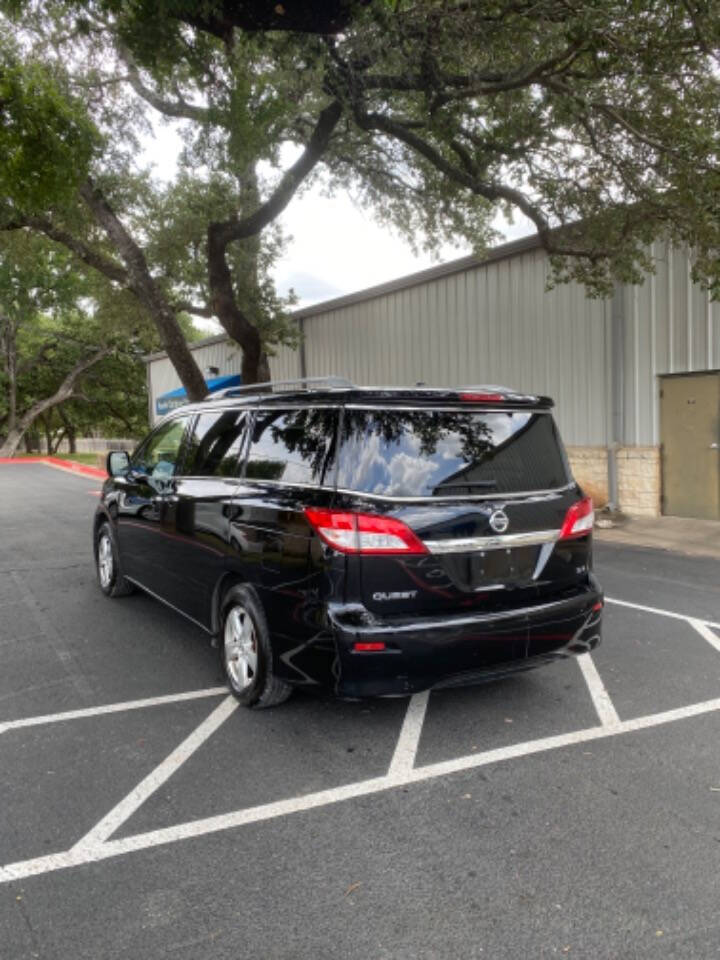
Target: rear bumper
{"x":457,"y":650}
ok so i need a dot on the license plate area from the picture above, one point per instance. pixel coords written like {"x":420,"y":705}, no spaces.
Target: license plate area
{"x":491,"y":569}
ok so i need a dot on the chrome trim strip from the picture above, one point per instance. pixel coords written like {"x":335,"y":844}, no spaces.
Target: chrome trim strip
{"x":452,"y":622}
{"x":467,"y":544}
{"x":507,"y":406}
{"x":429,"y":501}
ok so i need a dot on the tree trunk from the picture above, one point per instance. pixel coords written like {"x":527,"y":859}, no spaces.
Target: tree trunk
{"x":44,"y":420}
{"x":70,"y":431}
{"x":58,"y":440}
{"x":142,"y":284}
{"x":237,"y":326}
{"x":223,"y":300}
{"x":63,"y":392}
{"x":8,"y":345}
{"x":263,"y":369}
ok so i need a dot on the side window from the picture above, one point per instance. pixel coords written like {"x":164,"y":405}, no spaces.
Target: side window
{"x":292,"y":445}
{"x":159,"y":455}
{"x":215,"y":444}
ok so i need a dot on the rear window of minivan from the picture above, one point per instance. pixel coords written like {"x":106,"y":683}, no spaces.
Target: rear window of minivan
{"x":440,"y":453}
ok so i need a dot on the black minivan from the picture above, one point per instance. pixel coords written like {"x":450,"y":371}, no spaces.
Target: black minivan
{"x":367,"y":541}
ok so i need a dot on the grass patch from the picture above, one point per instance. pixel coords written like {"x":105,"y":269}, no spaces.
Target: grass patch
{"x":89,"y":458}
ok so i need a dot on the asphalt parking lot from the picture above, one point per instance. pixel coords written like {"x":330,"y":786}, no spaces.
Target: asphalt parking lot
{"x":573,"y":811}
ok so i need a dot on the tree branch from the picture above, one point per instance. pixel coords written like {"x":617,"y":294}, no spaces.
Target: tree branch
{"x":92,"y":258}
{"x":222,"y":233}
{"x":179,"y":109}
{"x":141,"y":282}
{"x":63,"y":392}
{"x":184,"y":306}
{"x":491,"y":190}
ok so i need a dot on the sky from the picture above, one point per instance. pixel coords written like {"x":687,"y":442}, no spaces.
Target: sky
{"x":334,"y":248}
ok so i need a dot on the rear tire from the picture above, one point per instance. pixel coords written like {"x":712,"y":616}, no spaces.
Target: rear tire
{"x":246,"y":652}
{"x":107,"y":565}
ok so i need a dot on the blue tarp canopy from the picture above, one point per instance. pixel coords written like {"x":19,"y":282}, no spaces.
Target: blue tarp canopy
{"x":176,"y":398}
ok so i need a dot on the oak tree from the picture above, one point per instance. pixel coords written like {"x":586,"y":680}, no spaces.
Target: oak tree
{"x":596,"y":119}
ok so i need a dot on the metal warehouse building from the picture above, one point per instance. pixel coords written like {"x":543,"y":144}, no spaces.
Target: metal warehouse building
{"x":635,"y":378}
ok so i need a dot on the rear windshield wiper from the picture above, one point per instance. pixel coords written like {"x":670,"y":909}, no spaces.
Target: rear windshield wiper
{"x":464,"y":486}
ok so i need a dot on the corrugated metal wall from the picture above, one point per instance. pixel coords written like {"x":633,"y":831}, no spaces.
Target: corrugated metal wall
{"x":496,"y":323}
{"x":491,"y":324}
{"x":670,"y":326}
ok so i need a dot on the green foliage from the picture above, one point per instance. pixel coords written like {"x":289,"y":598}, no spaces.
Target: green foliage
{"x":51,"y":316}
{"x":597,"y":119}
{"x":46,"y":138}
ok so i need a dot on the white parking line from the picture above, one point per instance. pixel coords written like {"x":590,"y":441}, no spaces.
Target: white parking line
{"x":112,"y":708}
{"x":407,"y":745}
{"x":600,"y":697}
{"x":662,"y":613}
{"x":706,"y":632}
{"x":78,"y":855}
{"x":96,"y":844}
{"x":156,"y":778}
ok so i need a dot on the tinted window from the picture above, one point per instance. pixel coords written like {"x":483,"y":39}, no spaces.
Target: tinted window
{"x":159,"y":455}
{"x":435,"y":453}
{"x":215,"y":443}
{"x":291,"y":445}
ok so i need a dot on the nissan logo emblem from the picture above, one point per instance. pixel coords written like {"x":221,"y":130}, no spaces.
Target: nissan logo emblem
{"x":499,"y":521}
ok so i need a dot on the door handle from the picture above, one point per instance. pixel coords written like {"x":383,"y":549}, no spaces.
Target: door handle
{"x":168,"y":498}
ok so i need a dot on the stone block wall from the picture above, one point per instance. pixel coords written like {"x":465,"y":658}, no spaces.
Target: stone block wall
{"x":638,"y":472}
{"x":639,"y":483}
{"x":589,"y":467}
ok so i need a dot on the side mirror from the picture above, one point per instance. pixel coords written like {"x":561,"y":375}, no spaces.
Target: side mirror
{"x":118,"y":463}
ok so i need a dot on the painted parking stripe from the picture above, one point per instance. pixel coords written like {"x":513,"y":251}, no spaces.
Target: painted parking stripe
{"x":111,"y":708}
{"x":157,"y":777}
{"x":196,"y":828}
{"x":409,"y":739}
{"x":662,"y":613}
{"x":604,"y":706}
{"x":706,"y":632}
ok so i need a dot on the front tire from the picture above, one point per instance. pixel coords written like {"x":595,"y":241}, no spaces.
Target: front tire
{"x":246,"y":652}
{"x":107,"y":566}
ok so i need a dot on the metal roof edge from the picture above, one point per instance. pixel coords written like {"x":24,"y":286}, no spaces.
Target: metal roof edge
{"x":470,"y":262}
{"x":501,"y":252}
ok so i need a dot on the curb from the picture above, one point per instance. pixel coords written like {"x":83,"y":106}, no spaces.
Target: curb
{"x":58,"y":463}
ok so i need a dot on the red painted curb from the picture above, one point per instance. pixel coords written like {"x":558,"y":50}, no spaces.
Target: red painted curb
{"x":71,"y":465}
{"x":76,"y":467}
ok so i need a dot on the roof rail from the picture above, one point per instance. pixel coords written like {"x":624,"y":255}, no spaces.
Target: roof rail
{"x":270,"y":385}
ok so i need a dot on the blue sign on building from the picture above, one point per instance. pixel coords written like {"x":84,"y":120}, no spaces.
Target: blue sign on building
{"x":178,"y":398}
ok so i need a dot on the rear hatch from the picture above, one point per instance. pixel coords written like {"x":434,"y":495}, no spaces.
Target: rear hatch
{"x":486,"y":492}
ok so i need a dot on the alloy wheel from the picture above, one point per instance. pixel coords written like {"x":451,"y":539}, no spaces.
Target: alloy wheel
{"x":241,"y":658}
{"x":105,"y":560}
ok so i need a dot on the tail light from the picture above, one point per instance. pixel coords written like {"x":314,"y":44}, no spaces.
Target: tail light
{"x":578,"y":520}
{"x":363,"y":532}
{"x":472,"y":397}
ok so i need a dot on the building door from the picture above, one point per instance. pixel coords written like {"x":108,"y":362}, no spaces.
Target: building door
{"x":690,"y":436}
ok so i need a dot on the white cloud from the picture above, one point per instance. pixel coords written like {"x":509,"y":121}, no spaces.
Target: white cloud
{"x":408,"y":474}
